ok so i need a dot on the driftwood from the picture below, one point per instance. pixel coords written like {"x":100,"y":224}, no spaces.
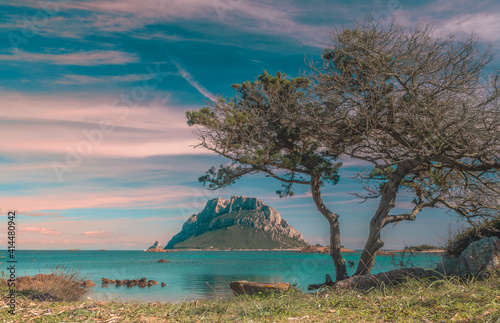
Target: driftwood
{"x":368,"y":281}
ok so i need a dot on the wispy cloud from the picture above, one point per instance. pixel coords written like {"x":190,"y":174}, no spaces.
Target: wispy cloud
{"x":279,"y":18}
{"x":461,"y":18}
{"x":40,"y":214}
{"x":85,"y":79}
{"x":58,"y":122}
{"x":82,"y":58}
{"x":56,"y":199}
{"x":484,"y":25}
{"x":97,"y":234}
{"x":194,"y":83}
{"x":41,"y":230}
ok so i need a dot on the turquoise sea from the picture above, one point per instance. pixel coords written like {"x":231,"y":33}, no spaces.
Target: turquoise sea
{"x":193,"y":274}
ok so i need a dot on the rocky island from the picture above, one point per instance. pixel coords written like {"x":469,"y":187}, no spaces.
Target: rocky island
{"x":156,"y":247}
{"x":239,"y":223}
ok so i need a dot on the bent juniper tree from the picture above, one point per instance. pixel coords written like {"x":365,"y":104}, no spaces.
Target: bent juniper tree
{"x":423,"y":113}
{"x":260,"y":130}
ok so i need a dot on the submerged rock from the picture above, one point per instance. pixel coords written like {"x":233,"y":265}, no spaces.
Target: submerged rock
{"x":108,"y":281}
{"x":245,"y":287}
{"x":88,"y":283}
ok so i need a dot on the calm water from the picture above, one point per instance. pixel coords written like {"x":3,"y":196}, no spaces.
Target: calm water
{"x":192,"y":274}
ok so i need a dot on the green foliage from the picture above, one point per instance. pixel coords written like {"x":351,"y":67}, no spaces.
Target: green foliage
{"x":457,"y":244}
{"x":261,"y":130}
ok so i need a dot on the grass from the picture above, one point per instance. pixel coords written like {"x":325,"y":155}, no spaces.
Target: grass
{"x":414,"y":301}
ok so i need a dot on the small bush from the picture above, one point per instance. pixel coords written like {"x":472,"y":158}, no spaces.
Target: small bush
{"x":458,"y":243}
{"x":61,"y":285}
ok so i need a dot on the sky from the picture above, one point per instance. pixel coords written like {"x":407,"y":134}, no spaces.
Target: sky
{"x":95,"y":151}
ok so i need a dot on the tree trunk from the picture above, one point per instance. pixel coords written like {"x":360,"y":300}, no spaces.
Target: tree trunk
{"x":335,"y":250}
{"x":333,"y":220}
{"x":387,"y":203}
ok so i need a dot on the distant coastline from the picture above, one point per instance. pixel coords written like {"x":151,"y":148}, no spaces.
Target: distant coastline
{"x":233,"y":249}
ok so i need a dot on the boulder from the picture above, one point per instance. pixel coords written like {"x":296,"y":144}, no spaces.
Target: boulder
{"x":108,"y":281}
{"x":163,"y":260}
{"x":88,"y":283}
{"x":479,"y":258}
{"x":133,"y":282}
{"x":245,"y":287}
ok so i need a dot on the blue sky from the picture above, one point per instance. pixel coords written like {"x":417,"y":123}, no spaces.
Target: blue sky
{"x":95,"y":151}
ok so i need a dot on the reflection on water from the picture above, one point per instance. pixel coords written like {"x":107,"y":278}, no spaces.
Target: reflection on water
{"x":209,"y":286}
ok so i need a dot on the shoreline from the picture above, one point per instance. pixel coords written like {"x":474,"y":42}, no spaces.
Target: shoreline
{"x":414,"y":251}
{"x":172,"y":250}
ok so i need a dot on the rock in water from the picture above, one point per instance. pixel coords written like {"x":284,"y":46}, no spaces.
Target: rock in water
{"x":245,"y":287}
{"x":239,"y":223}
{"x":156,"y":247}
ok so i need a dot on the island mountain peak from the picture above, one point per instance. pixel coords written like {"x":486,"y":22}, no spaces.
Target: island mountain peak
{"x":239,"y":223}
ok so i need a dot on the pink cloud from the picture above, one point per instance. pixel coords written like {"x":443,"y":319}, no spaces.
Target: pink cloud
{"x":44,"y":231}
{"x":484,"y":25}
{"x":99,"y":234}
{"x":61,"y":124}
{"x":78,"y":58}
{"x":54,"y":199}
{"x":84,"y":79}
{"x":89,"y":233}
{"x":40,"y":214}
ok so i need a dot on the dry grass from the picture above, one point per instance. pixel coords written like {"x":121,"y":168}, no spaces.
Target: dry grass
{"x":447,"y":300}
{"x":61,"y":285}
